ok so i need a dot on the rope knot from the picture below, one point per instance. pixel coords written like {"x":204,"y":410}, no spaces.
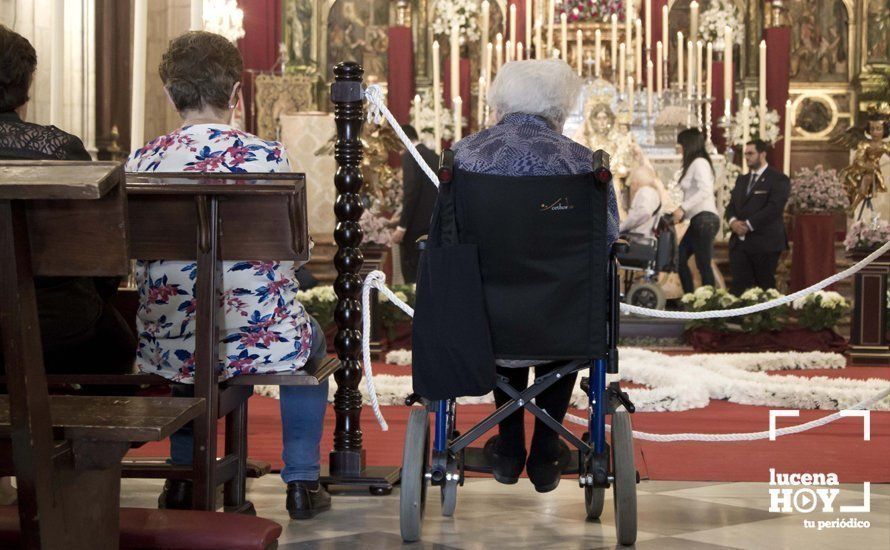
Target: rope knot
{"x":374,"y":94}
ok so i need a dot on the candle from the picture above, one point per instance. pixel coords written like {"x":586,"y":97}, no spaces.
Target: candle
{"x":630,"y":98}
{"x":512,"y":25}
{"x":680,"y":61}
{"x":539,"y":41}
{"x":598,"y":41}
{"x":57,"y":65}
{"x":458,"y":119}
{"x":665,"y":33}
{"x":762,"y":99}
{"x":455,"y":58}
{"x":638,"y":71}
{"x":486,"y":10}
{"x":621,"y":58}
{"x":510,"y":51}
{"x":698,"y":69}
{"x":614,"y":58}
{"x":786,"y":148}
{"x":480,"y":104}
{"x":519,"y":52}
{"x":564,"y":27}
{"x":693,"y":20}
{"x":659,"y":61}
{"x":746,"y":129}
{"x":528,"y":24}
{"x":437,"y":106}
{"x":648,"y":12}
{"x":489,"y":57}
{"x":499,"y":51}
{"x":628,"y":22}
{"x":196,"y":20}
{"x":579,"y":52}
{"x":415,"y":119}
{"x":709,"y":62}
{"x":727,"y":72}
{"x":140,"y":47}
{"x":549,"y":16}
{"x":649,"y":88}
{"x":690,"y":64}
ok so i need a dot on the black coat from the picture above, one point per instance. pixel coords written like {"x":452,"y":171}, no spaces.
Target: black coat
{"x":763,"y":209}
{"x":419,"y":195}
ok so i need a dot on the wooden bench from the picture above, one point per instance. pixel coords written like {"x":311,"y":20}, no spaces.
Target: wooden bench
{"x":65,"y":219}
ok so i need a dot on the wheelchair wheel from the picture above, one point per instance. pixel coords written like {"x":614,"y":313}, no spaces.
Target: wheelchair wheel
{"x":647,"y":295}
{"x":449,"y":498}
{"x":594,"y":497}
{"x":625,"y":482}
{"x":415,"y":462}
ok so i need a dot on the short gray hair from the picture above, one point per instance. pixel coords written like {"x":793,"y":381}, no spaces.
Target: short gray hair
{"x":546,"y":87}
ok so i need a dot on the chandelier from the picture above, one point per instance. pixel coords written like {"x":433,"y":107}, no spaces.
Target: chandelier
{"x":225,"y":18}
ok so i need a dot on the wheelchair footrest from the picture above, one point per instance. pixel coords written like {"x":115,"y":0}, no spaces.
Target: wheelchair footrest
{"x":475,"y":461}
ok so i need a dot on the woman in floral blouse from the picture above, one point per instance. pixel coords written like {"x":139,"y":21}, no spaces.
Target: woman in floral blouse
{"x":265,"y":330}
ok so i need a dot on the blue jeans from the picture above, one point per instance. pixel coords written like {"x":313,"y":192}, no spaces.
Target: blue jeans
{"x":302,"y":423}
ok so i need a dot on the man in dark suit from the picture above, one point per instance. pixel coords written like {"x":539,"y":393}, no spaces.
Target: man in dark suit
{"x":418,"y":200}
{"x":755,"y":217}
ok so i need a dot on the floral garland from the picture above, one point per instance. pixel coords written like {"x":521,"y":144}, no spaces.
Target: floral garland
{"x":465,"y":12}
{"x":714,"y":20}
{"x":737,"y":132}
{"x":865,"y":235}
{"x":592,"y":10}
{"x":817,"y":191}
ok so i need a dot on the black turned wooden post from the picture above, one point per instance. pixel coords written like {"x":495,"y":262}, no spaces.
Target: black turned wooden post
{"x":347,"y":460}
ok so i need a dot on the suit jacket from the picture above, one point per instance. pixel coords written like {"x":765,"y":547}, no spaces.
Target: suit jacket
{"x":763,"y":209}
{"x":419,"y":195}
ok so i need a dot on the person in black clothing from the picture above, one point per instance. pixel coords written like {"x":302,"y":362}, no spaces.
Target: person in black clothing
{"x":419,"y":198}
{"x":81,"y":331}
{"x":755,"y":217}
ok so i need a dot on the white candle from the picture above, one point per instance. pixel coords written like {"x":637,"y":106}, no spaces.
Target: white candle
{"x":690,"y":63}
{"x":509,"y":50}
{"x":621,"y":57}
{"x":614,"y":52}
{"x":455,"y":58}
{"x":629,"y":22}
{"x":480,"y":104}
{"x":499,"y":51}
{"x":458,"y":119}
{"x":140,"y":49}
{"x":680,"y":61}
{"x":437,"y":98}
{"x":564,"y":28}
{"x":762,"y":99}
{"x":727,"y":72}
{"x":539,"y":40}
{"x":579,"y":52}
{"x":486,"y":10}
{"x":57,"y":65}
{"x":630,"y":98}
{"x":693,"y":20}
{"x":489,"y":57}
{"x":196,"y":13}
{"x":415,"y":119}
{"x":649,"y":88}
{"x":746,"y":128}
{"x":512,"y":25}
{"x":638,"y":71}
{"x":598,"y":41}
{"x":698,"y":69}
{"x":648,"y":12}
{"x":528,"y":23}
{"x":665,"y":33}
{"x":786,"y":148}
{"x":519,"y":52}
{"x":709,"y":62}
{"x":549,"y":16}
{"x":659,"y":61}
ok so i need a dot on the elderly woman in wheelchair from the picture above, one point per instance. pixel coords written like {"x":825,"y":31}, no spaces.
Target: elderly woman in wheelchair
{"x":518,"y":271}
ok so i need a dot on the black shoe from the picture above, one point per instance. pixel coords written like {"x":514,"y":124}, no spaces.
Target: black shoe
{"x":306,"y":498}
{"x":506,"y":469}
{"x":545,"y":464}
{"x":177,"y":495}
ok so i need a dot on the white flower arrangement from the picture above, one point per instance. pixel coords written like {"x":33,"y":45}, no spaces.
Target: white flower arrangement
{"x":737,"y":132}
{"x":820,"y":310}
{"x":864,"y":235}
{"x":828,"y":300}
{"x":323,"y":293}
{"x":465,"y":12}
{"x":713,"y":21}
{"x":398,"y":357}
{"x":424,"y":120}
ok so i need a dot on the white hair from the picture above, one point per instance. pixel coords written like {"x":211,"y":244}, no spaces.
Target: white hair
{"x":546,"y":87}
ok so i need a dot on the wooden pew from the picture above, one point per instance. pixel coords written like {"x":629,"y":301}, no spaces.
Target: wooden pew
{"x":65,"y":219}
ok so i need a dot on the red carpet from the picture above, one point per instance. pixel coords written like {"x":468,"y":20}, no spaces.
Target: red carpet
{"x":837,"y":447}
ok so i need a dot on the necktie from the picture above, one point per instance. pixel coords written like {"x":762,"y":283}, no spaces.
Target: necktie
{"x":751,"y":183}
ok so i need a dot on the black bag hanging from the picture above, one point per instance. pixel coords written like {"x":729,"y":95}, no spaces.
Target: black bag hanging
{"x":452,"y":352}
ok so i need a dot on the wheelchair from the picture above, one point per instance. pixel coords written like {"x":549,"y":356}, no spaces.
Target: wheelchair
{"x":600,"y":464}
{"x":643,"y":260}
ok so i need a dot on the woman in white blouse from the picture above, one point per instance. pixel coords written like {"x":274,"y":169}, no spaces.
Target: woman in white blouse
{"x":698,"y":206}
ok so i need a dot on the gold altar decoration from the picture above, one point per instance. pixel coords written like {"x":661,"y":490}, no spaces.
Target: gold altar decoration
{"x":864,"y":179}
{"x":277,"y":95}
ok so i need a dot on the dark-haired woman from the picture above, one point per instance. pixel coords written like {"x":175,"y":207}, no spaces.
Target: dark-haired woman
{"x":81,"y":331}
{"x":266,"y":329}
{"x":698,"y":206}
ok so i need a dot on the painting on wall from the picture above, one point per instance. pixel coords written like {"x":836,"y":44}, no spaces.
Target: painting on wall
{"x":820,"y":40}
{"x":299,"y":25}
{"x":357,"y":31}
{"x":877,"y":32}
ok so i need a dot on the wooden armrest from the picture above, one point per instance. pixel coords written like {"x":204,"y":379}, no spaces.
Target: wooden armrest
{"x":126,"y":419}
{"x":316,"y":372}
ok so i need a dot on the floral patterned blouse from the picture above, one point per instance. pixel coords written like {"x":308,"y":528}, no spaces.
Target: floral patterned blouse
{"x":266,"y":330}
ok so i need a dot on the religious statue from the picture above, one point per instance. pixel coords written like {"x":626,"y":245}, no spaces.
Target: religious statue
{"x":863,"y":179}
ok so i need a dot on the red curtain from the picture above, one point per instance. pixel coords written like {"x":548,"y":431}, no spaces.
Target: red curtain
{"x":656,"y":36}
{"x":778,"y":47}
{"x":466,"y":98}
{"x":259,"y":47}
{"x":400,"y":56}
